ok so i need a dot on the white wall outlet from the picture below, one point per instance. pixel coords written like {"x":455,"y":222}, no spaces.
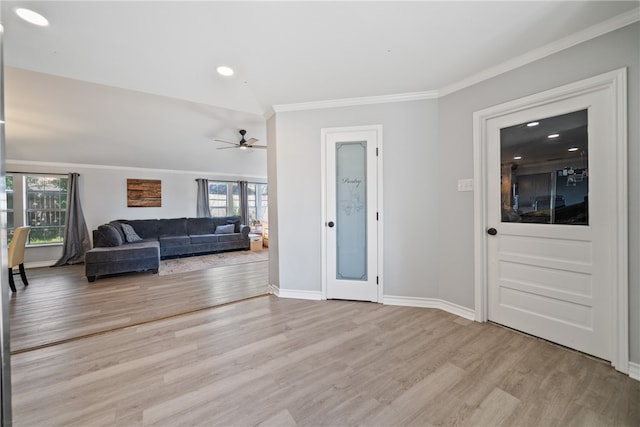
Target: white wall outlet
{"x":465,"y":184}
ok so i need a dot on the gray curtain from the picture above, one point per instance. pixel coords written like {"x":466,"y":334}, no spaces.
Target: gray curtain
{"x":76,"y":234}
{"x":244,"y":201}
{"x":202,"y":199}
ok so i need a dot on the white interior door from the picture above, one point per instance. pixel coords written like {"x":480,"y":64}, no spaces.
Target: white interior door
{"x":351,"y":201}
{"x":551,"y":200}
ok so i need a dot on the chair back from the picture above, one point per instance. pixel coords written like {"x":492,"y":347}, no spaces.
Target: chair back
{"x":17,"y":245}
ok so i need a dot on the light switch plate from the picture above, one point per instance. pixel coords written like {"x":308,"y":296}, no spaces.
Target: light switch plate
{"x":465,"y":184}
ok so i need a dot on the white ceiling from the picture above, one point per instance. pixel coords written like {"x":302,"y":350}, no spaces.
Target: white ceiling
{"x":142,"y":74}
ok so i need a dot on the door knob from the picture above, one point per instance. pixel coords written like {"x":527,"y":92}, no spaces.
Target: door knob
{"x":330,"y":224}
{"x":492,"y":231}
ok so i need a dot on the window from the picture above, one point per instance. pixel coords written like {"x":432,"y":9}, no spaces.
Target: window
{"x":39,"y":201}
{"x":224,"y":199}
{"x":10,"y":214}
{"x":258,"y":201}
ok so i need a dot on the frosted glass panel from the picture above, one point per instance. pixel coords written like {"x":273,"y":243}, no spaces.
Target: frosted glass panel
{"x":351,"y":218}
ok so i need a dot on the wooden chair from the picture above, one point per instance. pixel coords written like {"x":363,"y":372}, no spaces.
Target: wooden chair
{"x":16,"y":254}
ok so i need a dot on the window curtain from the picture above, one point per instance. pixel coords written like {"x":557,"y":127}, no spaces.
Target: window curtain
{"x":202,"y":199}
{"x":243,"y":191}
{"x":76,"y":234}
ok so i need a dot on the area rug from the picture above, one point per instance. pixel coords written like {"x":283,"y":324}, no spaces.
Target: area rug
{"x":201,"y":262}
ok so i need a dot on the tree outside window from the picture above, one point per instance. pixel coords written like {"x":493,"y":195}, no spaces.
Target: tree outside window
{"x":45,"y":207}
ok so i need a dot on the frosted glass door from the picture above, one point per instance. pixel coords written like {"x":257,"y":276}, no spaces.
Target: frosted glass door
{"x":351,"y":215}
{"x":350,"y":261}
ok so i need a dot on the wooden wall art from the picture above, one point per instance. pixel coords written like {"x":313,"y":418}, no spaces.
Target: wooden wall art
{"x":144,"y":193}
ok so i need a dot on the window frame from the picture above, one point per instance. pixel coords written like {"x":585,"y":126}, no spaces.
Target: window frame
{"x":21,"y":198}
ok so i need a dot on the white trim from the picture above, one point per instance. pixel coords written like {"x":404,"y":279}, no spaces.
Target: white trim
{"x":380,"y":218}
{"x":592,"y":32}
{"x":620,"y":305}
{"x":323,"y":197}
{"x":219,"y":175}
{"x":615,"y":83}
{"x":350,"y":102}
{"x":634,"y":370}
{"x":447,"y":306}
{"x":39,"y":264}
{"x":297,"y":294}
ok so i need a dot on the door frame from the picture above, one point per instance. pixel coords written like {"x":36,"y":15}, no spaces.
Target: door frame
{"x":615,"y":85}
{"x":324,"y":132}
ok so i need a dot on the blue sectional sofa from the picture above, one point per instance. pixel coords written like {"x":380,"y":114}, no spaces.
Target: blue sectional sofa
{"x":138,"y":245}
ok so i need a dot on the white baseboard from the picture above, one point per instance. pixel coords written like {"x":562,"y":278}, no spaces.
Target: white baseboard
{"x":634,"y":370}
{"x":296,"y":294}
{"x":449,"y":307}
{"x":38,"y":264}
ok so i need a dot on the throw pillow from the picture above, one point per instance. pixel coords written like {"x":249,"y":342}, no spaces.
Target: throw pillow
{"x":224,"y":229}
{"x":236,"y":224}
{"x":118,"y":227}
{"x":130,"y":233}
{"x":108,"y":237}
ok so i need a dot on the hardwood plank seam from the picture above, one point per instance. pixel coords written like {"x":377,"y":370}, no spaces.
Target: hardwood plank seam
{"x":157,"y":319}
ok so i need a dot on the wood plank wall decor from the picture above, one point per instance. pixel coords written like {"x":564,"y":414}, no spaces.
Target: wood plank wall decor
{"x":145,"y":193}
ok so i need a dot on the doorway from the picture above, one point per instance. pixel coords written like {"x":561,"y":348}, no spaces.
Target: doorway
{"x":551,"y":205}
{"x":351,"y":196}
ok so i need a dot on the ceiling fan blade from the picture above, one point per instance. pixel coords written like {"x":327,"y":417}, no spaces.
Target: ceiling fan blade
{"x":251,"y":141}
{"x":226,"y":148}
{"x":263,"y":147}
{"x":226,"y":142}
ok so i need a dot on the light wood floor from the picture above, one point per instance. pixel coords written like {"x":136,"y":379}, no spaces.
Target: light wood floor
{"x":59,"y":304}
{"x":271,"y":361}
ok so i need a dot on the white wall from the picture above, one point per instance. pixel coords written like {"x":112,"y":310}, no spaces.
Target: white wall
{"x":103,"y":194}
{"x":428,"y":147}
{"x":615,"y":50}
{"x":410,"y":192}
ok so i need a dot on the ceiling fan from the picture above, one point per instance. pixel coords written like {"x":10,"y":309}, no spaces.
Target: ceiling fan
{"x":243,"y":144}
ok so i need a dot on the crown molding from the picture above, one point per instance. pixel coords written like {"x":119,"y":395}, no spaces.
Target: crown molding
{"x":592,"y":32}
{"x":350,"y":102}
{"x":72,"y":166}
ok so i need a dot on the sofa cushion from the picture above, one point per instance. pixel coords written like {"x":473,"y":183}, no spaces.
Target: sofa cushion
{"x":172,"y":227}
{"x":130,"y":233}
{"x":118,"y":227}
{"x":107,"y":236}
{"x":145,"y":228}
{"x":204,"y":238}
{"x":236,"y":224}
{"x":223,"y":220}
{"x":200,"y":226}
{"x":224,"y":229}
{"x":127,"y":252}
{"x":167,"y":241}
{"x":230,"y":237}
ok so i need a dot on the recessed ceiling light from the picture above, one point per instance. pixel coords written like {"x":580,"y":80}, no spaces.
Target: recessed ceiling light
{"x":225,"y":71}
{"x":553,"y":135}
{"x":32,"y":17}
{"x":573,"y":149}
{"x":517,"y":157}
{"x":532,"y":124}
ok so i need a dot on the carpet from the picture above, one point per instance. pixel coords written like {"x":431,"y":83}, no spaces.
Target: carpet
{"x":202,"y":262}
